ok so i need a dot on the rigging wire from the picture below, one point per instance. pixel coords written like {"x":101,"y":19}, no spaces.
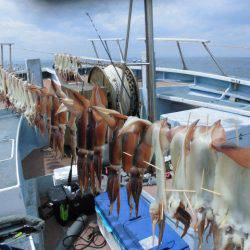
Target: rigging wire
{"x":230,"y":46}
{"x":211,"y":44}
{"x":36,"y":51}
{"x":107,"y":51}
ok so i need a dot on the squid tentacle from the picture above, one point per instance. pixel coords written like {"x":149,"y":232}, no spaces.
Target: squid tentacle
{"x":129,"y":194}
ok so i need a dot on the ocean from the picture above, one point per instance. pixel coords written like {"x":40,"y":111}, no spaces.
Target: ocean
{"x":232,"y":66}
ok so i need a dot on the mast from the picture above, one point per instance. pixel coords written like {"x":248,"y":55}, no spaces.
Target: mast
{"x":150,"y":56}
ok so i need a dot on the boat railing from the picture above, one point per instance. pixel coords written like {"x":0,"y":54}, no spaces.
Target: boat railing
{"x":178,"y":42}
{"x":2,"y":46}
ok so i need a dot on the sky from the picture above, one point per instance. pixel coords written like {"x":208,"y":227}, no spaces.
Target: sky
{"x":53,"y":26}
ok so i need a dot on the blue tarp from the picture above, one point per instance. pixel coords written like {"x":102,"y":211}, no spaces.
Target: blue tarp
{"x":130,"y":231}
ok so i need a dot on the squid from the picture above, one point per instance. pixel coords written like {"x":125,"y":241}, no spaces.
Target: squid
{"x":201,"y":161}
{"x":97,"y":130}
{"x":180,"y":151}
{"x":82,"y":169}
{"x":134,"y":189}
{"x":157,"y":214}
{"x":154,"y":141}
{"x":58,"y":118}
{"x":231,"y":208}
{"x":113,"y":188}
{"x":38,"y":110}
{"x":132,"y":130}
{"x":91,"y":127}
{"x":77,"y":106}
{"x":115,"y":121}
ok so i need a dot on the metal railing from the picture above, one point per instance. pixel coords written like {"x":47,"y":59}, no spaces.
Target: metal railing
{"x":8,"y":45}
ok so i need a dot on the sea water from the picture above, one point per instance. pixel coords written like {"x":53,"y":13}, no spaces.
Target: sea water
{"x":232,"y":66}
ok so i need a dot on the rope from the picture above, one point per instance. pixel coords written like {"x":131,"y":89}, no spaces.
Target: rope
{"x":230,"y":46}
{"x":36,"y":51}
{"x":107,"y":51}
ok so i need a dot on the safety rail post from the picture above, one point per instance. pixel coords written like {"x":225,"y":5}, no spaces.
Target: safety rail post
{"x":2,"y":55}
{"x":150,"y":59}
{"x":10,"y":58}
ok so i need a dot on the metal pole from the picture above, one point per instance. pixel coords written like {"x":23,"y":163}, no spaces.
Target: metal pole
{"x":128,"y":30}
{"x":120,"y":50}
{"x":125,"y":55}
{"x":107,"y":47}
{"x":184,"y":66}
{"x":10,"y":58}
{"x":213,"y":58}
{"x":95,"y":50}
{"x":150,"y":55}
{"x":2,"y":55}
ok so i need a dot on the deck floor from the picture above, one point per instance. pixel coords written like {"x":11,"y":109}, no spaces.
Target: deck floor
{"x":42,"y":162}
{"x":54,"y":232}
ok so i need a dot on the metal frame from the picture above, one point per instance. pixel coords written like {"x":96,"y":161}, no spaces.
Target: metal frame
{"x":106,"y":40}
{"x":102,"y":61}
{"x":203,"y":42}
{"x":150,"y":57}
{"x":10,"y":54}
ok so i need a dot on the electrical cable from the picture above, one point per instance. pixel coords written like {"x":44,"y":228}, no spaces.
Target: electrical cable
{"x":90,"y":241}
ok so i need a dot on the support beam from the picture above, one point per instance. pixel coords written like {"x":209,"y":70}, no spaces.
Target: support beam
{"x":184,"y":66}
{"x":10,"y":58}
{"x":95,"y":50}
{"x":213,"y":58}
{"x":120,"y":50}
{"x":2,"y":55}
{"x":125,"y":54}
{"x":107,"y":47}
{"x":150,"y":55}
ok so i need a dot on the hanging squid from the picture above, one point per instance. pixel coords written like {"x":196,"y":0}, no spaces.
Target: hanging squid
{"x":180,"y":151}
{"x":77,"y":106}
{"x":231,"y":208}
{"x":115,"y":121}
{"x":201,"y":162}
{"x":158,"y":217}
{"x":91,"y":128}
{"x":131,"y":131}
{"x":134,"y":189}
{"x":37,"y":96}
{"x":96,"y":136}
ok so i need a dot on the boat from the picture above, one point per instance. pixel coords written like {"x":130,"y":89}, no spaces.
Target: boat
{"x":30,"y":171}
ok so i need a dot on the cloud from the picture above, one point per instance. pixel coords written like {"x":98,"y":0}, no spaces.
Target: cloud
{"x":52,"y":26}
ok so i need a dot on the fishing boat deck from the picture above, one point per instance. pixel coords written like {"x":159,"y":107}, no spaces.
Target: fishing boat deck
{"x":54,"y":233}
{"x":185,"y":93}
{"x":42,"y":162}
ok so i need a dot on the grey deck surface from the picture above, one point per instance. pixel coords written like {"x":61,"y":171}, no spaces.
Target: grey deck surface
{"x":8,"y":131}
{"x":186,"y":94}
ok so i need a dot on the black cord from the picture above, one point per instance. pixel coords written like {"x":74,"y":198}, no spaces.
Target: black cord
{"x":90,"y":241}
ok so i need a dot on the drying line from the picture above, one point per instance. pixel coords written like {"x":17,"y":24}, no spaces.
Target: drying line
{"x":181,"y":190}
{"x":37,"y":51}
